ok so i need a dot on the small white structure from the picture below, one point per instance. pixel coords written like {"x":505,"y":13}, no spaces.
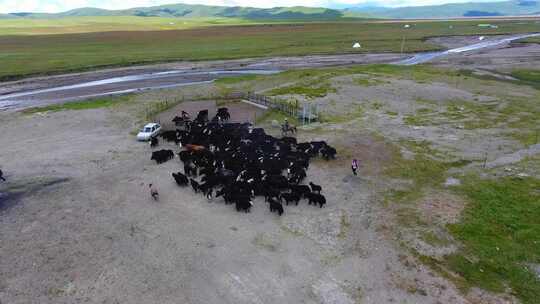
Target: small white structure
{"x":481,"y":38}
{"x":356,"y":45}
{"x":407,"y":26}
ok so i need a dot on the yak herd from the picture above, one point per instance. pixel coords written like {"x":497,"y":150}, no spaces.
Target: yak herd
{"x":238,"y":162}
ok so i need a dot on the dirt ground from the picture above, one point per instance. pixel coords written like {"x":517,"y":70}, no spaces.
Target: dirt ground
{"x":502,"y":59}
{"x":77,"y":225}
{"x":385,"y":105}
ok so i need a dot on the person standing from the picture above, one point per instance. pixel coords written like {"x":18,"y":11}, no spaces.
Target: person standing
{"x":354,"y":166}
{"x":153,"y":192}
{"x":2,"y":176}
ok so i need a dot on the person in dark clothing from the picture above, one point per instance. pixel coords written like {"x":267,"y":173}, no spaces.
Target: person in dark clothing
{"x":153,"y":192}
{"x":354,"y":166}
{"x":2,"y":176}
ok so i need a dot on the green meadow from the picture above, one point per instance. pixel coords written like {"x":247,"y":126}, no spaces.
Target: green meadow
{"x":71,"y":25}
{"x":92,"y":42}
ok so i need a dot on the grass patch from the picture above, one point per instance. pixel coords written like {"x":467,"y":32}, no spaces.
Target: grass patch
{"x":305,"y":90}
{"x":80,"y":105}
{"x":426,"y":101}
{"x":422,"y":117}
{"x":263,"y":241}
{"x":437,"y":266}
{"x":501,"y":234}
{"x":422,"y":172}
{"x":416,"y":120}
{"x":89,"y":24}
{"x":471,"y":115}
{"x":294,"y":232}
{"x":523,"y":116}
{"x":531,"y":77}
{"x":276,"y":115}
{"x":344,"y":226}
{"x":368,"y":82}
{"x":434,"y":240}
{"x":354,"y":113}
{"x":153,"y":109}
{"x":376,"y":105}
{"x":235,"y":80}
{"x":427,"y":169}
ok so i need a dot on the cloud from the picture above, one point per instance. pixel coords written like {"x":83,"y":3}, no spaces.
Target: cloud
{"x":51,"y":6}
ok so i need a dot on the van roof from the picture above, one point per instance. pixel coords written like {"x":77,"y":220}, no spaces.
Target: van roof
{"x":149,"y":125}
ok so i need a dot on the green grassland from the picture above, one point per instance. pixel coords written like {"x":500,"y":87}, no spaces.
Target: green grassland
{"x":534,"y":40}
{"x":23,"y":55}
{"x":530,"y":77}
{"x":497,"y":234}
{"x":71,"y":25}
{"x":97,"y":103}
{"x":500,"y":232}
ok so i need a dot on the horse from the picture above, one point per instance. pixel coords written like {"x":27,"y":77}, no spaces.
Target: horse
{"x":288,"y":129}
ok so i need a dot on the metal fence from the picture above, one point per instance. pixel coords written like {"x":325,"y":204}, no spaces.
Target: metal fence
{"x":288,"y":107}
{"x":306,"y":113}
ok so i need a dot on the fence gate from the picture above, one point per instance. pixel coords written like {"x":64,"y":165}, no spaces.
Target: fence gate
{"x":308,"y":113}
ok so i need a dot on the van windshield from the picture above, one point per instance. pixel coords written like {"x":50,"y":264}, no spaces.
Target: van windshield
{"x":147,"y":130}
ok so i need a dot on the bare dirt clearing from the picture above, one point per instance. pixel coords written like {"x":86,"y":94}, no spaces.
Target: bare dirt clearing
{"x":503,"y":58}
{"x":77,"y":223}
{"x":98,"y":237}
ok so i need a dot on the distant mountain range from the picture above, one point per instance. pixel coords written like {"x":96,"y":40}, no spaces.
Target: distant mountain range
{"x":482,"y":9}
{"x":189,"y":10}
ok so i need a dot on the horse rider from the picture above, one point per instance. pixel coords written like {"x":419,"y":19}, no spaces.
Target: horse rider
{"x":185,"y":115}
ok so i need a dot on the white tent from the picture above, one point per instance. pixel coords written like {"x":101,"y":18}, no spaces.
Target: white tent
{"x":356,"y":45}
{"x":481,"y":38}
{"x":407,"y":26}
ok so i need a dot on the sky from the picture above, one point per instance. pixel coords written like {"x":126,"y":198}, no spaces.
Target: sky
{"x":53,"y":6}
